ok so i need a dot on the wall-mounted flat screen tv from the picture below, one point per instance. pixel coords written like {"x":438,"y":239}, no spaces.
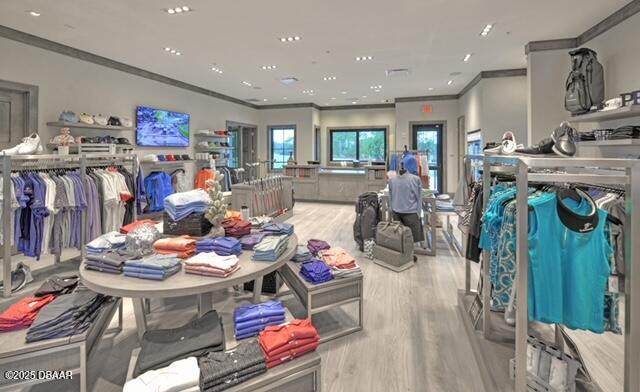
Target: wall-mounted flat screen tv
{"x":161,"y":128}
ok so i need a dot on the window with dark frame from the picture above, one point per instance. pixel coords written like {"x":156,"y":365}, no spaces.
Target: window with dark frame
{"x":282,"y":145}
{"x":358,"y":144}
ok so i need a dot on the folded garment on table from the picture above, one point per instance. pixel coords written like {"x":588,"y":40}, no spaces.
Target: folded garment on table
{"x":285,"y":342}
{"x":213,"y":260}
{"x":259,"y":221}
{"x":67,"y":315}
{"x":236,"y":228}
{"x":101,"y":267}
{"x":152,"y":274}
{"x":58,"y":285}
{"x":338,"y":258}
{"x":249,"y":241}
{"x":106,"y":242}
{"x":179,"y":376}
{"x":114,"y":259}
{"x":250,"y":319}
{"x":209,"y":271}
{"x":156,"y":267}
{"x":346,"y":273}
{"x":302,"y":254}
{"x":278,"y":228}
{"x":182,"y":246}
{"x":316,"y":271}
{"x":161,"y":347}
{"x":222,"y":370}
{"x":223,"y":246}
{"x":133,"y":225}
{"x":233,"y":215}
{"x":22,"y":313}
{"x":179,"y":205}
{"x":315,"y":246}
{"x":271,"y":248}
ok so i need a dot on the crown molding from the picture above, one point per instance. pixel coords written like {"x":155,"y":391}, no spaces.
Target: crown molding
{"x":599,"y":28}
{"x":288,"y":106}
{"x":427,"y":98}
{"x":59,"y":48}
{"x":359,"y":107}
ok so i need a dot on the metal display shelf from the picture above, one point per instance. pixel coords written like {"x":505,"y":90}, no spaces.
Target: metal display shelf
{"x":615,"y":114}
{"x":607,"y":143}
{"x":582,"y":170}
{"x":213,"y":149}
{"x":79,"y":125}
{"x":216,"y":136}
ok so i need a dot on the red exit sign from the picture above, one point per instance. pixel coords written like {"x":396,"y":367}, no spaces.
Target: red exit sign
{"x":427,"y":109}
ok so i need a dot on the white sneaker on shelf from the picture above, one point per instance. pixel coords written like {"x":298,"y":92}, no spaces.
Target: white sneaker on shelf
{"x":30,"y":145}
{"x":509,"y":145}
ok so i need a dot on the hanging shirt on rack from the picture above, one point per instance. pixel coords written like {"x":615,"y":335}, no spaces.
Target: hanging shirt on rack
{"x":405,"y":194}
{"x":202,"y":176}
{"x":158,"y":186}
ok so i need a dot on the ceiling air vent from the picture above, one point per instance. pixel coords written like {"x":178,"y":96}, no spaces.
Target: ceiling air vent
{"x":398,"y":72}
{"x":289,"y":81}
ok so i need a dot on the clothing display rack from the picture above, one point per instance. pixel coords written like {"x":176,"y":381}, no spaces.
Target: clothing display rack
{"x":18,"y":163}
{"x":581,"y":172}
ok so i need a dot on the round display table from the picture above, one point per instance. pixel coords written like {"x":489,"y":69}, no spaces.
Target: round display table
{"x":183,"y":284}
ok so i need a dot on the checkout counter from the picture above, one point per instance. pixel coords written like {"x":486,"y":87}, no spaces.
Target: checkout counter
{"x":335,"y":183}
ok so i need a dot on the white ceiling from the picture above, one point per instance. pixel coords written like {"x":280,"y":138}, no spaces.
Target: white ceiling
{"x":430,"y":37}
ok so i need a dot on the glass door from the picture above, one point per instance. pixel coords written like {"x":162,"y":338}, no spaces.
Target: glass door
{"x":428,"y":137}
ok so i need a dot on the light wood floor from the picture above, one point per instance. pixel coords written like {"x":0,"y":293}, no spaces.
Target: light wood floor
{"x":412,"y":341}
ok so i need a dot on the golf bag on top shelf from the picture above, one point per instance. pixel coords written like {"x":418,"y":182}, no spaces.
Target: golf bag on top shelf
{"x":585,"y":84}
{"x":367,"y":218}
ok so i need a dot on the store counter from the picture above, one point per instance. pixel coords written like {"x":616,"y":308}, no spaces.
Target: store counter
{"x":335,"y":183}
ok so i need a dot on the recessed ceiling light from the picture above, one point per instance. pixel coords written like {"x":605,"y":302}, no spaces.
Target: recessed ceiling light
{"x":377,"y":90}
{"x":285,"y":98}
{"x":167,"y":49}
{"x":307,"y":91}
{"x":172,"y":51}
{"x":178,"y":10}
{"x":216,"y":70}
{"x":178,"y":54}
{"x":364,"y":96}
{"x":450,"y":82}
{"x":467,"y":57}
{"x":268,"y":67}
{"x":343,"y":92}
{"x":246,"y":83}
{"x":296,"y":38}
{"x":185,"y":8}
{"x":430,"y":89}
{"x":264,"y":100}
{"x":328,"y":78}
{"x":364,"y":58}
{"x":354,"y":102}
{"x":290,"y":38}
{"x":34,"y":13}
{"x":487,"y":29}
{"x":376,"y":87}
{"x":170,"y":11}
{"x":333,"y":98}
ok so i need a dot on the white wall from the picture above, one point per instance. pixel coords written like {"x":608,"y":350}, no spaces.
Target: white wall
{"x":301,"y":118}
{"x":504,"y":108}
{"x":443,"y":111}
{"x":355,"y":118}
{"x":471,"y":108}
{"x":69,"y":83}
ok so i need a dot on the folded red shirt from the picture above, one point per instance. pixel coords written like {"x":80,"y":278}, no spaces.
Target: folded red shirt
{"x":275,"y":337}
{"x":134,"y":225}
{"x":291,"y":354}
{"x":22,"y":313}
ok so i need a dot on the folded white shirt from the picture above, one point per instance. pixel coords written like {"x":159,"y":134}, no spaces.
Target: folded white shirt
{"x":212,"y":259}
{"x":108,"y":240}
{"x":185,"y":198}
{"x":179,"y":376}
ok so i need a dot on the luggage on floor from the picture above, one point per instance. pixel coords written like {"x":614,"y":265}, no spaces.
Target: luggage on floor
{"x":395,"y":236}
{"x":367,"y":218}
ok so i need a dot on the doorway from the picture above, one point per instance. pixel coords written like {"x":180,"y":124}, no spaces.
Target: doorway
{"x":243,"y":144}
{"x":430,"y":137}
{"x":18,"y":112}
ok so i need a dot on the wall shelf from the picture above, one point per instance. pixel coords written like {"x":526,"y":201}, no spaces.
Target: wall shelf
{"x":616,"y":114}
{"x":607,"y":143}
{"x":79,"y":125}
{"x":215,"y":136}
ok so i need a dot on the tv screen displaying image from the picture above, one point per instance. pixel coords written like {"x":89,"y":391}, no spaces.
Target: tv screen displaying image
{"x":161,"y":128}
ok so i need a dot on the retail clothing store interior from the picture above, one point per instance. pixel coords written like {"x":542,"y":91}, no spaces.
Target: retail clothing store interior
{"x":303,"y":197}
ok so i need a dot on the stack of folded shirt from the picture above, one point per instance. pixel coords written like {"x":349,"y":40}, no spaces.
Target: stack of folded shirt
{"x":220,"y":371}
{"x":69,"y":314}
{"x":285,"y":342}
{"x":316,"y":272}
{"x":223,"y":246}
{"x":181,"y":375}
{"x":179,"y":205}
{"x":271,"y":248}
{"x":236,"y":228}
{"x":58,"y":285}
{"x":156,"y":267}
{"x":249,"y":241}
{"x":302,"y":254}
{"x":183,"y":246}
{"x":233,"y":215}
{"x":315,"y":246}
{"x":161,"y":347}
{"x":211,"y":264}
{"x":259,"y":221}
{"x":278,"y":228}
{"x":107,"y":242}
{"x":110,"y":262}
{"x":133,"y":225}
{"x":251,"y":319}
{"x":342,"y":264}
{"x":22,"y":313}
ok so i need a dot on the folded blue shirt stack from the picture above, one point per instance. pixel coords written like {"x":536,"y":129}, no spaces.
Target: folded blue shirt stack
{"x":278,"y":228}
{"x":302,"y":254}
{"x":223,"y":246}
{"x":316,"y":272}
{"x":179,"y":205}
{"x":156,"y":267}
{"x":250,"y":319}
{"x":271,"y":248}
{"x":107,"y":242}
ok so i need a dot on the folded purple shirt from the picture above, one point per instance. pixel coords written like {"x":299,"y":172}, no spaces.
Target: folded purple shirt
{"x":251,"y":240}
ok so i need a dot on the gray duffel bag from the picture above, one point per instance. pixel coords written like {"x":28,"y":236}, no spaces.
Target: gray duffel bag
{"x":395,"y":236}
